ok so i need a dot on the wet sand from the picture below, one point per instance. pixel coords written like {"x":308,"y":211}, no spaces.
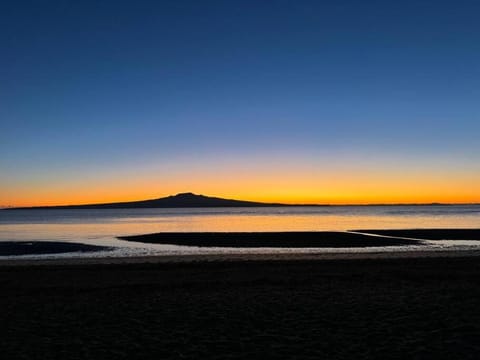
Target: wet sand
{"x":430,"y":234}
{"x":411,"y":307}
{"x":293,"y":239}
{"x":13,"y":248}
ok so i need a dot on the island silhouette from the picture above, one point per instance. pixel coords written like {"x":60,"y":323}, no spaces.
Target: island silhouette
{"x":191,"y":200}
{"x":181,"y":200}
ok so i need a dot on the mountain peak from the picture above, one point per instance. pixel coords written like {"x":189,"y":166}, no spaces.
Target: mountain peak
{"x":186,"y":199}
{"x":186,"y":194}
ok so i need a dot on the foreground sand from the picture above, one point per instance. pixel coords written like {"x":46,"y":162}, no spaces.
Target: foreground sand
{"x":283,"y":307}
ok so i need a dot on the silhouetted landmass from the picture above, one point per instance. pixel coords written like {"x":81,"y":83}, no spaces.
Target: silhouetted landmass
{"x":11,"y":248}
{"x":183,"y":200}
{"x":430,"y":234}
{"x":190,"y":200}
{"x":312,"y":239}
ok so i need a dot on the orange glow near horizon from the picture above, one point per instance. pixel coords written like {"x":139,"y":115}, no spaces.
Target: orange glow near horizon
{"x":316,"y":188}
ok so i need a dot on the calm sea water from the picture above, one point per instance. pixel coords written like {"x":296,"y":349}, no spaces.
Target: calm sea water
{"x":102,"y":226}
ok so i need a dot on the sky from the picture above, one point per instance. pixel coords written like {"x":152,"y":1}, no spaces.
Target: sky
{"x":291,"y":101}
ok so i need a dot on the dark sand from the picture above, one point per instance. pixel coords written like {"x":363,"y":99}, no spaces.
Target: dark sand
{"x":304,"y":239}
{"x":430,"y":234}
{"x":410,"y":308}
{"x":10,"y":248}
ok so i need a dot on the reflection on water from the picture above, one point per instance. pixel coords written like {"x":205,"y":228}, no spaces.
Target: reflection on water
{"x":101,"y":226}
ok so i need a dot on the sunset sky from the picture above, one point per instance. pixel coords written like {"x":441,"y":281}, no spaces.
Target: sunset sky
{"x":290,"y":101}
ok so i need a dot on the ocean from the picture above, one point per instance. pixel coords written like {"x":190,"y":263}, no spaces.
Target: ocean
{"x":102,"y":226}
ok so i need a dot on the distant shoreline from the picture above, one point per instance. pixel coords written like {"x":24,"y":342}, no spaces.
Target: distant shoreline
{"x":100,"y":206}
{"x":190,"y":200}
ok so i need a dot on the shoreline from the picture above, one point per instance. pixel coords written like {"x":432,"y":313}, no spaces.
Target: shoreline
{"x":355,"y":244}
{"x":241,"y":258}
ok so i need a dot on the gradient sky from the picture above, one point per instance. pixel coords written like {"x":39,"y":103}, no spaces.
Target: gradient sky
{"x":294,"y":101}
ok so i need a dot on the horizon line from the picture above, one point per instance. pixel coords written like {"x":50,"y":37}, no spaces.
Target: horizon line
{"x":273,"y":204}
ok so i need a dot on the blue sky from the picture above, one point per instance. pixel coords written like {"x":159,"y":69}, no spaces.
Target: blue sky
{"x":103,"y":86}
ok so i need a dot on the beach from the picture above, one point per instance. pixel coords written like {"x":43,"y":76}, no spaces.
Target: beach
{"x":421,"y":305}
{"x":239,"y":180}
